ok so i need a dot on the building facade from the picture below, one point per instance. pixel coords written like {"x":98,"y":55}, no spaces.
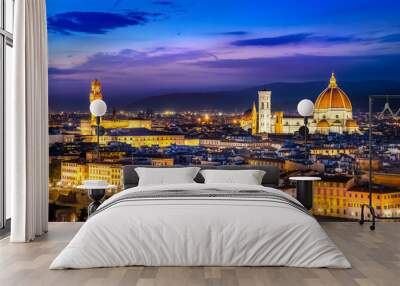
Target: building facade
{"x":140,"y":137}
{"x":333,"y":113}
{"x":87,"y":127}
{"x":73,"y":173}
{"x":109,"y":172}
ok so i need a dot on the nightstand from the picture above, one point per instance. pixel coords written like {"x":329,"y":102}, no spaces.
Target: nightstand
{"x":96,"y":193}
{"x":304,"y":188}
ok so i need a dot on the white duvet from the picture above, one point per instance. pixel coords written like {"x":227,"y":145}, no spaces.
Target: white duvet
{"x":202,"y":232}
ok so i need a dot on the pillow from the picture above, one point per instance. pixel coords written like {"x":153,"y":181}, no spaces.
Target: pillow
{"x":248,"y":177}
{"x":166,"y":176}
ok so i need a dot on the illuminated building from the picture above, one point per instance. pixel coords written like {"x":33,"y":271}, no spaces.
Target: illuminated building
{"x":87,"y":126}
{"x":342,"y":196}
{"x":222,"y":144}
{"x":331,"y":151}
{"x":108,"y":155}
{"x":249,"y":120}
{"x":110,"y":172}
{"x":385,"y":200}
{"x":138,"y":137}
{"x":265,"y":118}
{"x":73,"y":173}
{"x":300,"y":166}
{"x":95,"y":94}
{"x":159,"y":162}
{"x":330,"y":196}
{"x":276,"y":162}
{"x":61,"y":138}
{"x":333,"y":113}
{"x":386,"y":178}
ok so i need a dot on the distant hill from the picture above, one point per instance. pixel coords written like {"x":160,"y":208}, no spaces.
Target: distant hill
{"x":284,"y":96}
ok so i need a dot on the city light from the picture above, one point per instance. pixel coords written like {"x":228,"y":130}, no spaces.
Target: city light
{"x":205,"y":137}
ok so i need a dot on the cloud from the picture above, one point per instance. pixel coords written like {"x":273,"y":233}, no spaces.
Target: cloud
{"x":170,"y":6}
{"x":164,"y":3}
{"x":392,"y":38}
{"x":294,"y":39}
{"x":273,"y":41}
{"x":69,"y":71}
{"x":304,"y":67}
{"x":233,"y":33}
{"x":96,"y":22}
{"x":127,"y":60}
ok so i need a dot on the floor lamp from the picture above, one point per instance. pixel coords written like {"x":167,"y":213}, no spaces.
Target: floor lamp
{"x":98,"y":108}
{"x":305,"y":108}
{"x":370,"y":175}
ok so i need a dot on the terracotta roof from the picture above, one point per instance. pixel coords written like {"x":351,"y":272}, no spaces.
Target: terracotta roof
{"x":333,"y":97}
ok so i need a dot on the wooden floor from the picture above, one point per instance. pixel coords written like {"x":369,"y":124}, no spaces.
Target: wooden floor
{"x":375,"y":257}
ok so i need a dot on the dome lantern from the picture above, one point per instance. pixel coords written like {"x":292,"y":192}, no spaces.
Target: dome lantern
{"x":332,"y":81}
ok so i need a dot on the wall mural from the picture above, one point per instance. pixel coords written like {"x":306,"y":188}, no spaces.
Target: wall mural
{"x":218,"y":82}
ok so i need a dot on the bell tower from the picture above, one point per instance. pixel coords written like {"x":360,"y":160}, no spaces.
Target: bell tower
{"x":95,"y":94}
{"x":264,"y":112}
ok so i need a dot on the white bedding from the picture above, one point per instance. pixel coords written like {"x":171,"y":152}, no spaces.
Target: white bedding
{"x":200,"y":231}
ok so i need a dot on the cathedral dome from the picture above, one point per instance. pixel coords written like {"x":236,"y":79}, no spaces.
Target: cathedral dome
{"x":333,"y":97}
{"x":323,"y":124}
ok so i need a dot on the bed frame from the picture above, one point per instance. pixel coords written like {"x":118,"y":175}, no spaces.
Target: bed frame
{"x":130,"y":178}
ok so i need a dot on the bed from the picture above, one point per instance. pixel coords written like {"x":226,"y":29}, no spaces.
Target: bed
{"x":198,"y":224}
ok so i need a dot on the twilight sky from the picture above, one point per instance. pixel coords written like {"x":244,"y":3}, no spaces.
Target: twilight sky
{"x":141,"y":48}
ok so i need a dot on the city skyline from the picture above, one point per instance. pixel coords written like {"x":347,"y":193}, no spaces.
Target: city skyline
{"x":155,"y":47}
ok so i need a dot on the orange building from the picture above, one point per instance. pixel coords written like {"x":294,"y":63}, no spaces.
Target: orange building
{"x":330,"y":196}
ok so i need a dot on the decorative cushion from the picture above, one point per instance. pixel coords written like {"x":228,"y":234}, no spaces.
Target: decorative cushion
{"x":165,"y":176}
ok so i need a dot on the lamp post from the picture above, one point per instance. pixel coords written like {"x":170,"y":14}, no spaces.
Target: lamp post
{"x":98,"y":108}
{"x":305,"y":108}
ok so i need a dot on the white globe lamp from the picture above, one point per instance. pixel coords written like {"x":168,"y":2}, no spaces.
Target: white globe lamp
{"x":98,"y":107}
{"x":305,"y":107}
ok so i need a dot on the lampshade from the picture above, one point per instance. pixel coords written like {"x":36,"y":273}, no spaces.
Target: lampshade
{"x":305,"y":107}
{"x":98,"y":107}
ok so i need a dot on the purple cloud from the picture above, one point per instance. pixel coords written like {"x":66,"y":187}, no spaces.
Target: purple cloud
{"x":233,"y":33}
{"x":96,"y":22}
{"x":163,"y":3}
{"x":127,"y":60}
{"x":294,"y":39}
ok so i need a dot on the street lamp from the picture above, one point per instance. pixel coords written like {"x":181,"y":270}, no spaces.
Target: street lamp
{"x":98,"y":108}
{"x":305,"y":108}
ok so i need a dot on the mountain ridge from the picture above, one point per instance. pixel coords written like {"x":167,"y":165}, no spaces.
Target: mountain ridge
{"x":285,"y":96}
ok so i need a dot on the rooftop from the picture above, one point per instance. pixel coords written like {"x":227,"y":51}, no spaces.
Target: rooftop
{"x":138,"y":132}
{"x":375,"y":189}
